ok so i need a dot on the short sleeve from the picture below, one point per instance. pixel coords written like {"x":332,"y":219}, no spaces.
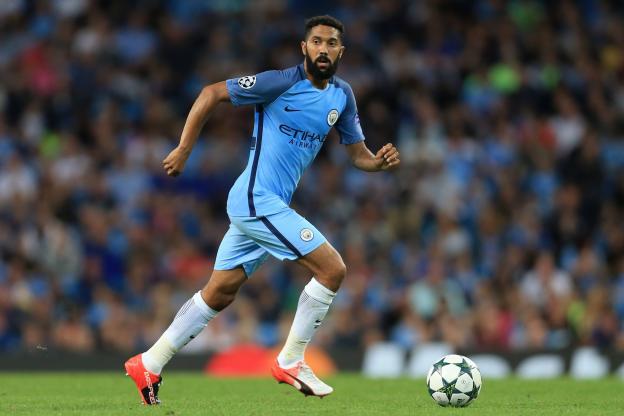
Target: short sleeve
{"x":262,"y":88}
{"x":348,"y":125}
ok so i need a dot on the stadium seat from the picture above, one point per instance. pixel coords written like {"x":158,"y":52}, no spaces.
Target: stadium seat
{"x":384,"y":360}
{"x":492,"y":366}
{"x":587,"y":363}
{"x":541,"y":366}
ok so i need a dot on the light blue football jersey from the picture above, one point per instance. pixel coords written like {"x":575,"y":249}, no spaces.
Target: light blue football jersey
{"x":292,"y":120}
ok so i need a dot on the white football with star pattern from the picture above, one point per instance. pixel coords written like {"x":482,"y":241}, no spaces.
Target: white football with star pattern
{"x":454,"y":380}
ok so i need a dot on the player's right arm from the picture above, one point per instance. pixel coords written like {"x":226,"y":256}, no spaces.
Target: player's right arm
{"x":261,"y":88}
{"x":205,"y":103}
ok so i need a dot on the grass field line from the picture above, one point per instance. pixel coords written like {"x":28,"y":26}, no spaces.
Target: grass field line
{"x":108,"y":393}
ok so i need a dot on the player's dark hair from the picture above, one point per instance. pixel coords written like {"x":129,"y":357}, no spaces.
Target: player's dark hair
{"x":325,"y":20}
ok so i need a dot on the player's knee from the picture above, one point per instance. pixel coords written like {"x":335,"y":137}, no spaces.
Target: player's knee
{"x":341,"y":271}
{"x":333,"y":275}
{"x":217,"y":298}
{"x":218,"y":295}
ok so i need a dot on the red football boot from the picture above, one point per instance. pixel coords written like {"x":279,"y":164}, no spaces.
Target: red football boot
{"x":147,"y":383}
{"x":302,"y":378}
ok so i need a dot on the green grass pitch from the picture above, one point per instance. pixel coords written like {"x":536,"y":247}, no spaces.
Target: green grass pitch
{"x":194,"y":394}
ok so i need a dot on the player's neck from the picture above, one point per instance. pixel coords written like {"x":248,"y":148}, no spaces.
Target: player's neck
{"x":321,"y":84}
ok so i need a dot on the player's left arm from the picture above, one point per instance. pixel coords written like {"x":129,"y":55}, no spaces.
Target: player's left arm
{"x":386,"y":158}
{"x":352,"y":136}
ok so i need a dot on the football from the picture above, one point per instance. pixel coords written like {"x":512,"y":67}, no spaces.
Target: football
{"x":454,"y":380}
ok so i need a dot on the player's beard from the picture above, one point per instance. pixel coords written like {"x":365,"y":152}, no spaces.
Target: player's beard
{"x":318,"y":73}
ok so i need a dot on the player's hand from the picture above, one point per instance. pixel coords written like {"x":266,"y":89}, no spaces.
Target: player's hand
{"x":175,"y":161}
{"x":388,"y":157}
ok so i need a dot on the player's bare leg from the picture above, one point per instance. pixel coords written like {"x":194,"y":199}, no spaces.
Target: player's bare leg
{"x":192,"y":317}
{"x":326,"y":265}
{"x":328,"y":270}
{"x":222,"y":287}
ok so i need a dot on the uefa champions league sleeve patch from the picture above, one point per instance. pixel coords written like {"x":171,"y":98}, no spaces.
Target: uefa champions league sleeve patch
{"x":247,"y":81}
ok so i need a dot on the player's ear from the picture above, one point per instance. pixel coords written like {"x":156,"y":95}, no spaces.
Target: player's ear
{"x":342,"y":49}
{"x":303,"y":47}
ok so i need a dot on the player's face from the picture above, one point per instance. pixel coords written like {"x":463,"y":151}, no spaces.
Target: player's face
{"x":322,"y":50}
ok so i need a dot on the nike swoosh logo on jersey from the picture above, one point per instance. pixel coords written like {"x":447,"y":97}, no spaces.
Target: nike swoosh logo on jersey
{"x":288,"y":109}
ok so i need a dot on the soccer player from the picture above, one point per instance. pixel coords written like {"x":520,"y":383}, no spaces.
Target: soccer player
{"x":294,"y":110}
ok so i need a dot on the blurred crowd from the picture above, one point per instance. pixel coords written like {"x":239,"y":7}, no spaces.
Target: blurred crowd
{"x":502,"y":229}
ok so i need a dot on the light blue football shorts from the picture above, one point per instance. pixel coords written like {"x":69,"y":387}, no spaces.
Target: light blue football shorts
{"x":250,"y":240}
